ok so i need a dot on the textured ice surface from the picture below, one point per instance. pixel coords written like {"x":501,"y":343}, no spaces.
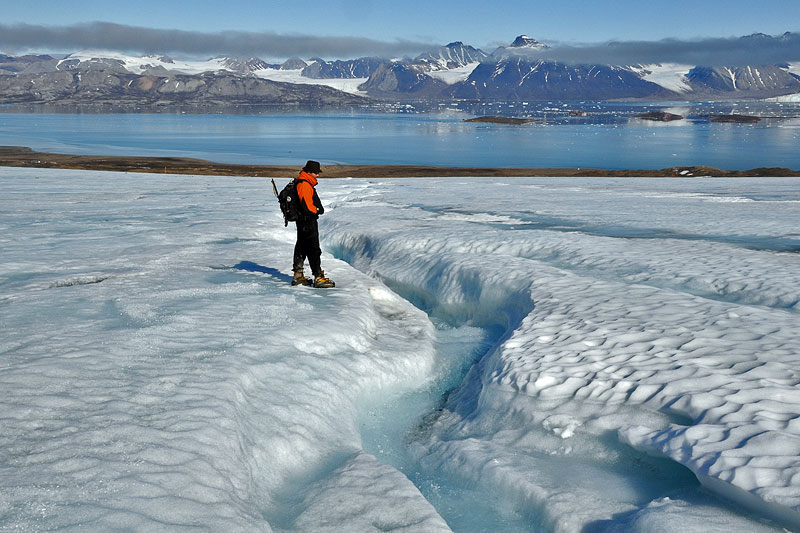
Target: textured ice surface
{"x":158,"y":371}
{"x":660,"y":314}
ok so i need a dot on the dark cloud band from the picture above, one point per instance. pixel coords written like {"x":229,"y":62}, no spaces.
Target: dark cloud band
{"x":755,"y":49}
{"x":109,"y":36}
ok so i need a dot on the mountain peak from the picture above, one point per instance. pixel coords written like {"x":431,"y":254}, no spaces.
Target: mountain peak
{"x":243,"y":65}
{"x":523,"y":41}
{"x":454,"y":55}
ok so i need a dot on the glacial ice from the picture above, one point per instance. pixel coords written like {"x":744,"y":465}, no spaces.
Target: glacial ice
{"x":158,"y":371}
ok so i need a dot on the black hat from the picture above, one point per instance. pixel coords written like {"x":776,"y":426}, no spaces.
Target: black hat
{"x":312,"y":167}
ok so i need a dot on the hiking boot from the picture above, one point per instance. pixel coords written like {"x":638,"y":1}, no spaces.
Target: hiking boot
{"x":321,"y":282}
{"x":301,"y":279}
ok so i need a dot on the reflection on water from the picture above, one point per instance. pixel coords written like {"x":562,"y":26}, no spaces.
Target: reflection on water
{"x":596,"y":134}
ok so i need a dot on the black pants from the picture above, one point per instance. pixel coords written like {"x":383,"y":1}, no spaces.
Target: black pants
{"x":307,"y":246}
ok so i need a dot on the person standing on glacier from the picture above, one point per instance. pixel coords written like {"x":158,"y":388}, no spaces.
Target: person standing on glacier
{"x":307,"y":245}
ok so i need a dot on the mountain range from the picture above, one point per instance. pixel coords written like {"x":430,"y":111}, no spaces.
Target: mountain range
{"x":453,"y":72}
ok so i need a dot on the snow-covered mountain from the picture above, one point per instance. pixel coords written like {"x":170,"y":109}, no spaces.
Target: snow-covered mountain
{"x":96,"y":59}
{"x":517,"y":78}
{"x":523,"y":41}
{"x":105,"y":78}
{"x":403,"y":78}
{"x":520,"y":46}
{"x":511,"y":72}
{"x":354,"y":68}
{"x":244,"y":66}
{"x":747,"y":81}
{"x":758,"y":81}
{"x":293,"y":63}
{"x":453,"y":56}
{"x":426,"y":76}
{"x":20,"y":72}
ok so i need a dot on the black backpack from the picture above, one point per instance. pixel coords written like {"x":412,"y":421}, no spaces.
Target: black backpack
{"x":289,"y":201}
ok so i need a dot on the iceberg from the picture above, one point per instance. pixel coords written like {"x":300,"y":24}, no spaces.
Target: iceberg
{"x":506,"y":354}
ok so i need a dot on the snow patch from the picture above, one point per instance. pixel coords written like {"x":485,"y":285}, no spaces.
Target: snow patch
{"x":671,"y":76}
{"x":348,"y":85}
{"x":454,"y":75}
{"x":138,"y":64}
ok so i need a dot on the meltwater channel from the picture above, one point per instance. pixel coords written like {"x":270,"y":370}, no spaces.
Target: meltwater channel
{"x":395,"y":427}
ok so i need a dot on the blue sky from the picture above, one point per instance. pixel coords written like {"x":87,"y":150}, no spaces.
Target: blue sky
{"x":481,"y":23}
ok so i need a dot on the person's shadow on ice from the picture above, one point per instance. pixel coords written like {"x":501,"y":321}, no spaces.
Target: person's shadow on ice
{"x":255,"y":267}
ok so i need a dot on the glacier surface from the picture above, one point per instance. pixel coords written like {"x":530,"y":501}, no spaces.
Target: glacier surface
{"x":532,"y":354}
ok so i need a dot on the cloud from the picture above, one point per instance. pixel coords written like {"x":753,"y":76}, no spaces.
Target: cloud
{"x":118,"y":37}
{"x":756,"y":49}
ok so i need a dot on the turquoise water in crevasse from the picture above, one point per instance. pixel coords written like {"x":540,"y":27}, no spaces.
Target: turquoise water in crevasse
{"x":609,"y":137}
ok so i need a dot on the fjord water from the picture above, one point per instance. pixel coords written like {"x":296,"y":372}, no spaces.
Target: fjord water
{"x":609,"y":137}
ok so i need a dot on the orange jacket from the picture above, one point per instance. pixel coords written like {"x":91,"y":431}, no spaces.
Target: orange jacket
{"x":305,"y":191}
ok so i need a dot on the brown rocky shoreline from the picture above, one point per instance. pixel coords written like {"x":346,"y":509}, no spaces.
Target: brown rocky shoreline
{"x":20,"y":156}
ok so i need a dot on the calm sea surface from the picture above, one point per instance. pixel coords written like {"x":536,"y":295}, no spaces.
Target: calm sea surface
{"x":609,"y":137}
